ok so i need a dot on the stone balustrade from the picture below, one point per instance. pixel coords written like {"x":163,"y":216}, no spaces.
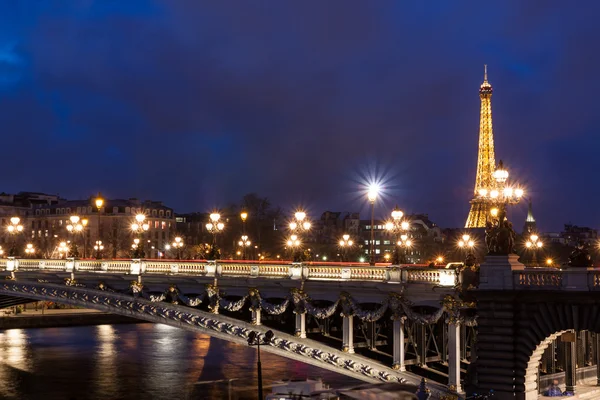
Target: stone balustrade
{"x":555,"y":279}
{"x":224,"y":269}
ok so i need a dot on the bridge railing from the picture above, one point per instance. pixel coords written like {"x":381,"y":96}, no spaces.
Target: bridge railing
{"x":294,"y":271}
{"x":555,"y":279}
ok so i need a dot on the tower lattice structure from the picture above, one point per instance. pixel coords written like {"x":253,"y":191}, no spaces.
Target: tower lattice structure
{"x":486,"y":162}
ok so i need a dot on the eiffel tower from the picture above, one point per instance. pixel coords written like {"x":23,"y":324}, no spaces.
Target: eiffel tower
{"x":486,"y":162}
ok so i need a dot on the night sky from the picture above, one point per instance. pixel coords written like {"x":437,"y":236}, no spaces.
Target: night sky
{"x":197,"y":103}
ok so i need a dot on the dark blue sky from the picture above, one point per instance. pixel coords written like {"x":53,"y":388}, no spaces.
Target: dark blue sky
{"x":199,"y":102}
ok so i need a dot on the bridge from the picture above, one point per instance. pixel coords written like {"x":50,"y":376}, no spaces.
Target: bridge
{"x":374,"y":323}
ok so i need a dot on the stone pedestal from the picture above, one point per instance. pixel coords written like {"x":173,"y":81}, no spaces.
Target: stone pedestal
{"x":496,"y":272}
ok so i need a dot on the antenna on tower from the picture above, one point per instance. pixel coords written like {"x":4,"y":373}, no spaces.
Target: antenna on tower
{"x":485,"y":72}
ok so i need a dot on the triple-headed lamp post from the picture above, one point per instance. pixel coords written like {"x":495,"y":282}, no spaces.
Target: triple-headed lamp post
{"x":138,"y":228}
{"x":177,"y":245}
{"x":98,"y":247}
{"x":534,"y":244}
{"x":467,"y":244}
{"x":76,"y":226}
{"x":14,"y":228}
{"x":244,"y":243}
{"x":300,"y":224}
{"x":500,"y":194}
{"x":399,"y":228}
{"x":345,"y":244}
{"x":214,"y":227}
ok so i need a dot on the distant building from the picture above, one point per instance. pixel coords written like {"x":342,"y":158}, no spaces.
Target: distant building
{"x":45,"y":226}
{"x":191,"y":227}
{"x":573,"y":234}
{"x":423,"y":232}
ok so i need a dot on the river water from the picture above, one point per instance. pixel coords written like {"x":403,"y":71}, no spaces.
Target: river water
{"x":136,"y":361}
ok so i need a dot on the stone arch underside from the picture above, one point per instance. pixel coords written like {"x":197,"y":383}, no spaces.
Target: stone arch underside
{"x":513,"y":330}
{"x":215,"y":325}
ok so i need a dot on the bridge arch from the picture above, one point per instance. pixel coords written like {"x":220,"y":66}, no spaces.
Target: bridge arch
{"x":215,"y":325}
{"x":516,"y":329}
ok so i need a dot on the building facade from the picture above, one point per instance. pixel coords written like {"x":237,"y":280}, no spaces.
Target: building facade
{"x":45,"y":226}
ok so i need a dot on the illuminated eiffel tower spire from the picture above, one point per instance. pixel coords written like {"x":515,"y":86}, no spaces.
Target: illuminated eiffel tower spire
{"x":486,"y":162}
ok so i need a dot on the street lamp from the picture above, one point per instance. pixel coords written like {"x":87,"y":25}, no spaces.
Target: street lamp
{"x":396,"y":227}
{"x":29,"y":250}
{"x":298,"y":225}
{"x":467,"y":244}
{"x":214,"y":227}
{"x":244,"y":243}
{"x":405,"y":243}
{"x":1,"y":251}
{"x":139,"y":227}
{"x":345,"y":244}
{"x":534,"y":244}
{"x":76,"y":226}
{"x":99,"y":202}
{"x":14,"y":229}
{"x":63,"y":249}
{"x":254,"y":339}
{"x":178,"y":244}
{"x":293,"y":243}
{"x":500,"y":194}
{"x":98,"y":248}
{"x":372,"y":196}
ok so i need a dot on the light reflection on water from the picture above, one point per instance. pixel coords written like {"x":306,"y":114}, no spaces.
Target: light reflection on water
{"x":135,"y":362}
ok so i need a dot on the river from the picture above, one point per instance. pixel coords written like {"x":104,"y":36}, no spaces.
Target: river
{"x":136,"y":361}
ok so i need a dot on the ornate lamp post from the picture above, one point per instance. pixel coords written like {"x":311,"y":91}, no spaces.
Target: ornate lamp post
{"x":294,"y":244}
{"x":1,"y":251}
{"x":177,"y":245}
{"x":372,"y":196}
{"x":499,"y":232}
{"x":98,"y":247}
{"x":14,"y":229}
{"x":405,"y":243}
{"x":396,"y":227}
{"x":76,"y":226}
{"x":345,"y":244}
{"x":254,"y":339}
{"x":138,"y":228}
{"x":63,"y":249}
{"x":467,"y":244}
{"x":29,"y":250}
{"x":214,"y":227}
{"x":300,"y":224}
{"x":244,"y":243}
{"x":534,"y":244}
{"x":99,"y":202}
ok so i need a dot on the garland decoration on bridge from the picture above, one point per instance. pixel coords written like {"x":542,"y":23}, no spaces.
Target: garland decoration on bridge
{"x":258,"y":303}
{"x":421,"y":318}
{"x":232,"y":305}
{"x":352,"y":307}
{"x":304,"y":304}
{"x":191,"y":301}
